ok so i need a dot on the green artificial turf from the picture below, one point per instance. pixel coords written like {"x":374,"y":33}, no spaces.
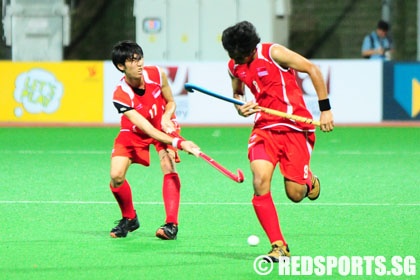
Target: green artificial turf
{"x":57,"y":210}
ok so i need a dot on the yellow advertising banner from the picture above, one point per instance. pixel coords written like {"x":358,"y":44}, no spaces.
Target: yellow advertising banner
{"x":51,"y":91}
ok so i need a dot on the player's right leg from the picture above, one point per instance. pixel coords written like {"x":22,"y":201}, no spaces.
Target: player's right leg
{"x":171,"y":192}
{"x":265,"y":209}
{"x":122,"y":192}
{"x":261,"y":153}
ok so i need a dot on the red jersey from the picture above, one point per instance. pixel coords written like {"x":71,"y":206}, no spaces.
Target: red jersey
{"x":150,"y":105}
{"x":273,"y":87}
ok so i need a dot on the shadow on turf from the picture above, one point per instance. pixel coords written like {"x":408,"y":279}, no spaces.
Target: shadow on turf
{"x":225,"y":255}
{"x":147,"y":239}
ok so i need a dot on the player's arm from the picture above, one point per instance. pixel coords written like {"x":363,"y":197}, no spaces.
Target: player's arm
{"x":238,"y":88}
{"x":167,"y":124}
{"x":370,"y":52}
{"x":144,"y":125}
{"x":290,"y":59}
{"x":367,"y":48}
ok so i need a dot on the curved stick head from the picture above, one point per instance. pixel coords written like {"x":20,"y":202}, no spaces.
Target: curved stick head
{"x":240,"y":177}
{"x":188,"y":87}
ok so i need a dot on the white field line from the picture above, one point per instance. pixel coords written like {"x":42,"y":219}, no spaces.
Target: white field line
{"x":100,"y":152}
{"x":55,"y":152}
{"x":345,"y":204}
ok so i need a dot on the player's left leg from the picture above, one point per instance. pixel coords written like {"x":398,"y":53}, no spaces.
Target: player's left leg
{"x":299,"y":181}
{"x":171,"y":195}
{"x":314,"y":191}
{"x":296,"y":192}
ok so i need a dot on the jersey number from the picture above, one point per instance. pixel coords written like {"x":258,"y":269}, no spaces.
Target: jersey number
{"x":153,"y":111}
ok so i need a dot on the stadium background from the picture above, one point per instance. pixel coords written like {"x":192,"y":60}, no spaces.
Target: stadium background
{"x":318,"y":29}
{"x":56,"y":208}
{"x":328,"y":32}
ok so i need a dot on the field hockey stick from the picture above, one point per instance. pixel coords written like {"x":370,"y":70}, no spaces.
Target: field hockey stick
{"x":191,"y":87}
{"x":239,"y":178}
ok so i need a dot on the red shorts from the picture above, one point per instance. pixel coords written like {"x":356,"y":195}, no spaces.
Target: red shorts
{"x":136,"y":147}
{"x":291,"y":149}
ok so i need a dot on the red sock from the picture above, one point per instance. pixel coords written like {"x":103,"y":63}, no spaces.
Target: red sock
{"x":171,"y":196}
{"x":125,"y":200}
{"x":309,"y":182}
{"x":267,"y":215}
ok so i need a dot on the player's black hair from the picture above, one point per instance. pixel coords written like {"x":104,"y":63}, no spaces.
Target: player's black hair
{"x":240,"y":39}
{"x":383,"y":25}
{"x":124,"y":50}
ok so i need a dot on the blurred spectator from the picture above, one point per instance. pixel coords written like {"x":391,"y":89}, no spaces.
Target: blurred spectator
{"x":378,"y":43}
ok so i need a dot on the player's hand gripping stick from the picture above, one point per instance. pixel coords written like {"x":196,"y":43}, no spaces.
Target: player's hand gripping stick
{"x":191,"y":87}
{"x":239,"y":178}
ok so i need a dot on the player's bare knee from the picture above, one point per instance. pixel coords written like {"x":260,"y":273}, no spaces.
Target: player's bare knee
{"x":260,"y":187}
{"x":117,"y":180}
{"x":257,"y":182}
{"x":168,"y":167}
{"x":295,"y":196}
{"x":116,"y":183}
{"x":167,"y":162}
{"x":295,"y":192}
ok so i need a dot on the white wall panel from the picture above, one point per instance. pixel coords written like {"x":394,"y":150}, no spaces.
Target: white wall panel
{"x":192,"y":29}
{"x":355,"y":91}
{"x":183,"y":29}
{"x":215,"y":16}
{"x":260,"y":13}
{"x":154,"y":44}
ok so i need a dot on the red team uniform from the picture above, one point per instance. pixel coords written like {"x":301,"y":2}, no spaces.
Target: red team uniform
{"x":144,"y":99}
{"x":132,"y":142}
{"x":278,"y":91}
{"x":268,"y":70}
